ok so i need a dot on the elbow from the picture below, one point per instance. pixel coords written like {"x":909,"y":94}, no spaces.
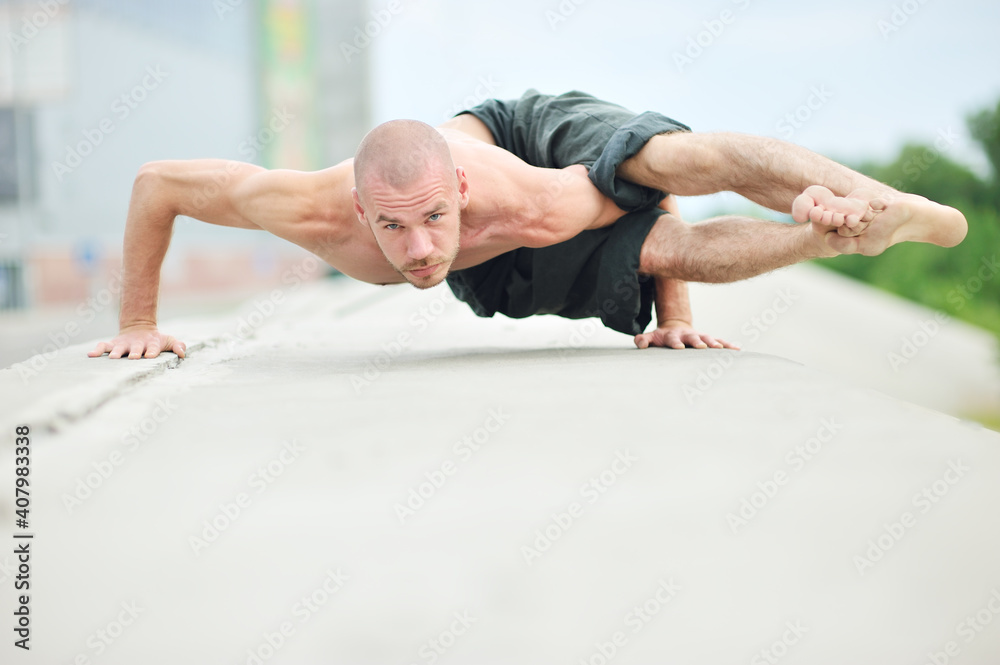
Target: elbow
{"x":149,"y":174}
{"x":149,"y":188}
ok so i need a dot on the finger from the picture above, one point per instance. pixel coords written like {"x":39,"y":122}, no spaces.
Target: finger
{"x":711,"y":342}
{"x":852,"y":221}
{"x":178,"y":347}
{"x":135,"y":352}
{"x":153,"y":349}
{"x":674,"y":340}
{"x":118,"y":350}
{"x":729,"y":345}
{"x":641,"y":341}
{"x":816,"y":214}
{"x":100,"y":350}
{"x":695,"y":341}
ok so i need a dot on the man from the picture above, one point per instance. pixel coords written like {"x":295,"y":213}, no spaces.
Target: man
{"x":578,"y":229}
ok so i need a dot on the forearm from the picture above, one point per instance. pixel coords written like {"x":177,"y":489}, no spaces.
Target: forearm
{"x":672,"y":301}
{"x":203,"y":189}
{"x":148,"y":228}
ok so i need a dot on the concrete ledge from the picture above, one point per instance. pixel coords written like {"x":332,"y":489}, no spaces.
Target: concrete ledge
{"x":374,"y":475}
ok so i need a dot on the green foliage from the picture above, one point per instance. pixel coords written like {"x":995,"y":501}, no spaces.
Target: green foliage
{"x":963,"y":281}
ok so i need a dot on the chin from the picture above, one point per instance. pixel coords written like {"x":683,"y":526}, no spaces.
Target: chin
{"x":427,"y":282}
{"x":430,"y":281}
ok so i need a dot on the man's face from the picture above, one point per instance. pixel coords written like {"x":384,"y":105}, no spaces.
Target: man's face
{"x":417,"y":226}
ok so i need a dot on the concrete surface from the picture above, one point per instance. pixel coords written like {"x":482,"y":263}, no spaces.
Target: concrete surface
{"x":358,"y":474}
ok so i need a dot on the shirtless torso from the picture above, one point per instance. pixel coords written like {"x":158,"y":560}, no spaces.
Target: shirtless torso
{"x":511,"y":204}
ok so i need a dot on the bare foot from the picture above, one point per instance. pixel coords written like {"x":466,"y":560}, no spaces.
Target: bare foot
{"x":888,"y":219}
{"x":904,"y":218}
{"x":849,"y":216}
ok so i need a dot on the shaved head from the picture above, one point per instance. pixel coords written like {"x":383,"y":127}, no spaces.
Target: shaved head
{"x":410,"y":195}
{"x":398,"y":153}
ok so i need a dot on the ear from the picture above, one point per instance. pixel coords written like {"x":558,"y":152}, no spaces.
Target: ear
{"x":358,"y":209}
{"x":463,"y":187}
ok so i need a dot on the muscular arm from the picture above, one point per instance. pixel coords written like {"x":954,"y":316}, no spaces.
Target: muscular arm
{"x":211,"y":190}
{"x":674,"y":320}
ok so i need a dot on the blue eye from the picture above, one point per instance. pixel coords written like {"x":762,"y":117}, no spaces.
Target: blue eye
{"x":391,"y":226}
{"x":435,"y":217}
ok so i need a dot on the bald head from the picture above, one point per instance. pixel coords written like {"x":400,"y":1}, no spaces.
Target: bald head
{"x":398,"y":153}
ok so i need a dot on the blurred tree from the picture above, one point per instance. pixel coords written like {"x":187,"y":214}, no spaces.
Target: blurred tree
{"x":985,"y":128}
{"x":963,"y":281}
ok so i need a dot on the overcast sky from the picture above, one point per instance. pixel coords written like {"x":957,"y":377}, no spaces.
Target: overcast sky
{"x":877,"y":73}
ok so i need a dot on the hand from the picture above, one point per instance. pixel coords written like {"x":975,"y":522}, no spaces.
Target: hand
{"x":137,"y":343}
{"x":676,"y":334}
{"x":849,"y":216}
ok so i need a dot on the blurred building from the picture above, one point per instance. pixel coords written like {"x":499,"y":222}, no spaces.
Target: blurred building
{"x":92,"y":89}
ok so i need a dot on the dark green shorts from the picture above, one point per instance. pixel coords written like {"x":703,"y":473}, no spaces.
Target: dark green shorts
{"x":594,"y":273}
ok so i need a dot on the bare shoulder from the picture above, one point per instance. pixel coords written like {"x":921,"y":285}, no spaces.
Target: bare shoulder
{"x":529,"y":206}
{"x":466,"y":126}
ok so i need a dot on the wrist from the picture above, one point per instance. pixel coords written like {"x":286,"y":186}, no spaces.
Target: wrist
{"x":136,"y":324}
{"x":663,"y":323}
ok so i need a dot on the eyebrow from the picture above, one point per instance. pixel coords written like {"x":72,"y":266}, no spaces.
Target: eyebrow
{"x":382,"y":217}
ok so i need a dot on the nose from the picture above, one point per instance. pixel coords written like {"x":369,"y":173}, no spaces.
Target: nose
{"x":419,"y":245}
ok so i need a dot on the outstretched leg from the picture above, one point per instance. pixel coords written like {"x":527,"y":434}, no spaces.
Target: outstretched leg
{"x":728,"y":249}
{"x":788,"y":178}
